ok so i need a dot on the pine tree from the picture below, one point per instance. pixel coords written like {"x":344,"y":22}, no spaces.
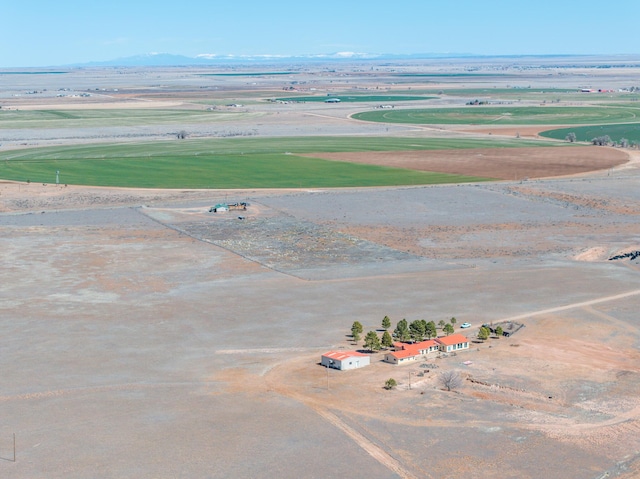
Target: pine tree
{"x":431,"y":330}
{"x":387,"y":341}
{"x":371,"y":341}
{"x":356,"y":330}
{"x":417,"y":330}
{"x":401,"y":333}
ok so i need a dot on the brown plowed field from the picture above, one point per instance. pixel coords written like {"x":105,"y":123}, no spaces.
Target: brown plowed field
{"x":499,"y":163}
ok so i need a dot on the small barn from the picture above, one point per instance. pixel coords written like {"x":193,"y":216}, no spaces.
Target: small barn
{"x":344,"y":360}
{"x":219,"y":208}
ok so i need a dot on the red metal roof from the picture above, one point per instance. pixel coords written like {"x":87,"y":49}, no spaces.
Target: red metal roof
{"x":404,"y":353}
{"x":342,"y":355}
{"x":452,"y":339}
{"x":416,"y":346}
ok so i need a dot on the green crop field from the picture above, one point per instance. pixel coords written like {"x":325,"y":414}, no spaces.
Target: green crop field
{"x":550,"y":96}
{"x":630,"y":131}
{"x":506,"y":115}
{"x":502,"y":91}
{"x":232,"y":163}
{"x":357,"y":98}
{"x":21,"y":119}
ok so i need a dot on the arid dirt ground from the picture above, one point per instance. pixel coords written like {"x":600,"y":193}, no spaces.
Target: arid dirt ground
{"x":146,"y":337}
{"x":502,"y":164}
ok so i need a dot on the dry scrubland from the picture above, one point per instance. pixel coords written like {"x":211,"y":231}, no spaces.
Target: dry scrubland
{"x":145,"y":337}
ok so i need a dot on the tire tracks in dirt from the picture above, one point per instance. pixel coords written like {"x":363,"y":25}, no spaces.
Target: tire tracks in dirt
{"x":582,"y":304}
{"x":368,"y":446}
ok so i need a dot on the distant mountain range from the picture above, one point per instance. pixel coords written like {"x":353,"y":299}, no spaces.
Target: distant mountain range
{"x":170,"y":60}
{"x":167,"y":59}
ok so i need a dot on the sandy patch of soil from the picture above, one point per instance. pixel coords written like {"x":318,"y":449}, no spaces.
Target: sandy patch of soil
{"x":597,"y":253}
{"x":499,"y":163}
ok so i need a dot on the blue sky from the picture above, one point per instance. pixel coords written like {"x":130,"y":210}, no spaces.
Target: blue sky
{"x":48,"y":32}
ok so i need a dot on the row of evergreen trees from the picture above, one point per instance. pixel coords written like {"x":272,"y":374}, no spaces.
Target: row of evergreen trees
{"x":416,"y":331}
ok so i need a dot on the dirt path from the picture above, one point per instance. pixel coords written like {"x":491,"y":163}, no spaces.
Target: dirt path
{"x":371,"y":449}
{"x":582,"y":304}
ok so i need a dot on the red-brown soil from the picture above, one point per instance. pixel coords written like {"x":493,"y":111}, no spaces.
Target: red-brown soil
{"x":499,"y":163}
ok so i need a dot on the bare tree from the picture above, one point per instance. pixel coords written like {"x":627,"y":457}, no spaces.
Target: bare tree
{"x":450,"y":380}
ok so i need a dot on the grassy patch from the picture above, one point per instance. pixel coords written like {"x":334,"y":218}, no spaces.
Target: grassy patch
{"x":506,"y":115}
{"x":219,"y":171}
{"x":232,"y":163}
{"x":502,"y":91}
{"x":245,"y":146}
{"x":630,"y":131}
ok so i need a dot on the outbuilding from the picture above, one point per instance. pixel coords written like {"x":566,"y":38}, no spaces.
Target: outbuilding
{"x":344,"y":360}
{"x":219,"y":208}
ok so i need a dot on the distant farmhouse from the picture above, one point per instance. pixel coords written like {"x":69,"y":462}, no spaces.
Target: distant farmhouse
{"x":344,"y":360}
{"x":219,"y":208}
{"x":408,"y":352}
{"x":223,"y":207}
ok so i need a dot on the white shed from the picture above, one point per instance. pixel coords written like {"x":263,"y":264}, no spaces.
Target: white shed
{"x":344,"y":360}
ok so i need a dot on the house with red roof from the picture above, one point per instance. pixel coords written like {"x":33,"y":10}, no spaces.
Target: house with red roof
{"x":453,"y":343}
{"x":407,"y":352}
{"x":344,"y":360}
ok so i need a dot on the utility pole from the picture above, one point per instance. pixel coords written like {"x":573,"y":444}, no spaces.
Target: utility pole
{"x":328,"y":366}
{"x":327,"y":378}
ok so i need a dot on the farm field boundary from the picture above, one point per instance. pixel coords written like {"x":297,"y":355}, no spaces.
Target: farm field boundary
{"x":630,"y":131}
{"x":505,"y":115}
{"x":108,"y":117}
{"x":221,"y":163}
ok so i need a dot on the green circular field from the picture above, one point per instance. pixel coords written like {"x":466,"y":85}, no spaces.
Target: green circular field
{"x":231,"y":163}
{"x":630,"y":131}
{"x":507,"y":115}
